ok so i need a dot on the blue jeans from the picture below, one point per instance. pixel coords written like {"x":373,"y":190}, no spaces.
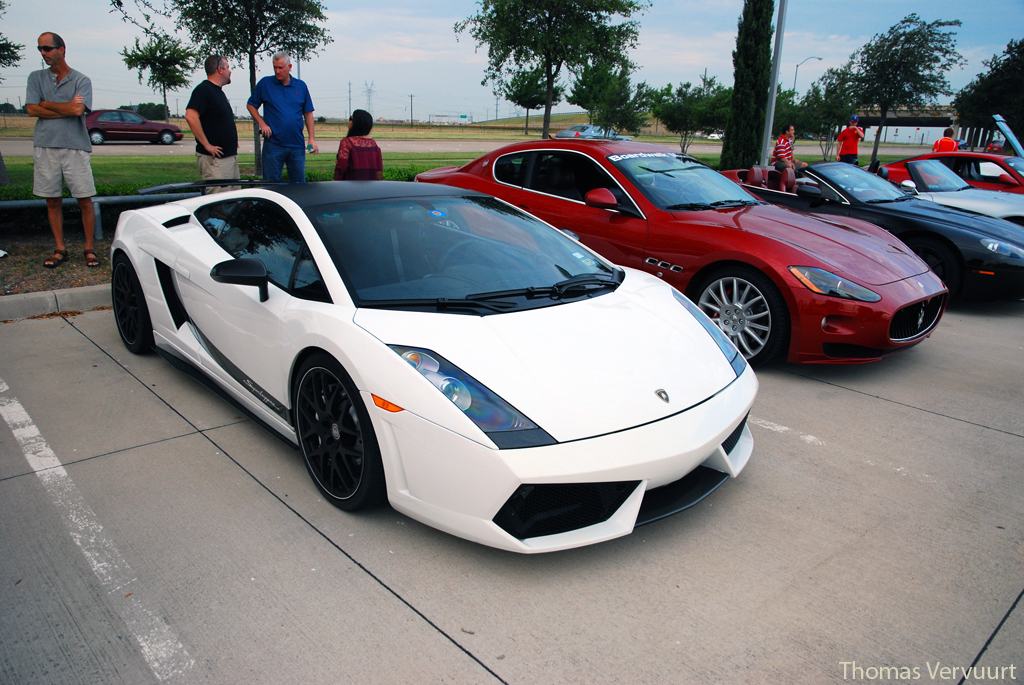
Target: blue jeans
{"x":275,"y":157}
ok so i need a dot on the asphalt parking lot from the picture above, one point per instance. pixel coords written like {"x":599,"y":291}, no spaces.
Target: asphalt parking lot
{"x":150,"y":533}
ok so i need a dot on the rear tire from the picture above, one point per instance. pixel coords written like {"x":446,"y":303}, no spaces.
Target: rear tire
{"x":166,"y":137}
{"x":748,"y":307}
{"x":336,"y":436}
{"x":130,"y":311}
{"x":941,"y":259}
{"x":96,"y":137}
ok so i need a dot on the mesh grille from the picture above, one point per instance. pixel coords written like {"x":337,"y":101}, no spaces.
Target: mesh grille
{"x":537,"y":510}
{"x":916,"y":319}
{"x":734,"y":437}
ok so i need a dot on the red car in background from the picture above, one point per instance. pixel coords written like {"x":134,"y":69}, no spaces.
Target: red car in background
{"x":124,"y":125}
{"x":780,"y":283}
{"x":980,"y":169}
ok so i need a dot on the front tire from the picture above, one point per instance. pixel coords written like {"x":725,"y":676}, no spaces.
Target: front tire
{"x":96,"y":137}
{"x":130,"y":310}
{"x":748,"y":307}
{"x":166,"y":138}
{"x":942,"y":260}
{"x":336,"y":436}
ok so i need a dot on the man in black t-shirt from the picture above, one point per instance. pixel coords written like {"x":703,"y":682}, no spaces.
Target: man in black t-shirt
{"x":212,"y":121}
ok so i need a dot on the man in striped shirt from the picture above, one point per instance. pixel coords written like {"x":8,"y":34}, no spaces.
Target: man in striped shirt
{"x":782,"y":154}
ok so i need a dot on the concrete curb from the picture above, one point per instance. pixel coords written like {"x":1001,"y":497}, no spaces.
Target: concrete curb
{"x":53,"y":301}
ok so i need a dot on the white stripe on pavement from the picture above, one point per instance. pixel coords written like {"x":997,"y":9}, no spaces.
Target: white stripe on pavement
{"x":159,"y":645}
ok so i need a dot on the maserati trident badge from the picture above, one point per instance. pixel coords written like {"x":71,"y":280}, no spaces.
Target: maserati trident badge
{"x":662,"y":395}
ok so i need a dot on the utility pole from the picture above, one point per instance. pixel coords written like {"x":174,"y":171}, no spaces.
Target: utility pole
{"x":769,"y":119}
{"x":496,"y":107}
{"x":350,"y":98}
{"x":368,"y":91}
{"x":410,"y":110}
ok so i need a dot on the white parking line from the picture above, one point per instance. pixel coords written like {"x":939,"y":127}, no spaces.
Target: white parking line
{"x":778,"y":428}
{"x":159,"y":645}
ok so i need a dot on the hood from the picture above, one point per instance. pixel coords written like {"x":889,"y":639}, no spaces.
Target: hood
{"x":917,"y":208}
{"x":579,"y":369}
{"x":863,"y":253}
{"x":987,"y":202}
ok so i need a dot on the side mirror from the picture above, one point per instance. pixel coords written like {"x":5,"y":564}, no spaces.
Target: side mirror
{"x":243,"y":272}
{"x":909,"y":186}
{"x":808,"y":192}
{"x":1007,"y":180}
{"x":601,"y":198}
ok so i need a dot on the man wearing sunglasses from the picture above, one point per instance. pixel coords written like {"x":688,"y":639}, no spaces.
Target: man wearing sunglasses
{"x":60,"y":97}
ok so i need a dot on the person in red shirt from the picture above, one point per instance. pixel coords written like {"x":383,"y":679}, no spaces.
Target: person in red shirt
{"x":359,"y":157}
{"x":782,"y":154}
{"x":946,"y":143}
{"x":848,"y":140}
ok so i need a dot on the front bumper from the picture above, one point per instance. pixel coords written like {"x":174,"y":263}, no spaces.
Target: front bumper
{"x":831,"y":330}
{"x":460,"y":486}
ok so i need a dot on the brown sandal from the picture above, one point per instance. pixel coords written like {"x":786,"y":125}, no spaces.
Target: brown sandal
{"x":91,"y":260}
{"x":58,"y":258}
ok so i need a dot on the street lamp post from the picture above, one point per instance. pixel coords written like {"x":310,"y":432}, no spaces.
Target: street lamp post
{"x":797,"y":70}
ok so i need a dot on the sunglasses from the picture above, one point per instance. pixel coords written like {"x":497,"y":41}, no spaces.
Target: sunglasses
{"x":47,"y":48}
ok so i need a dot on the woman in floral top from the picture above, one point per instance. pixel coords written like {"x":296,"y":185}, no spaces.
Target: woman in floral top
{"x":359,"y":158}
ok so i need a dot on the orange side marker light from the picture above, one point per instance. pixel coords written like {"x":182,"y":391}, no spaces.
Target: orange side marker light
{"x":385,"y":405}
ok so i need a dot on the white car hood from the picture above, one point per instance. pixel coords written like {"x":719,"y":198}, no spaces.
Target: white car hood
{"x":580,"y":369}
{"x":987,"y":202}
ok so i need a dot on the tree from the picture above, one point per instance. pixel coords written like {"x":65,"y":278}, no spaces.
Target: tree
{"x":551,"y":34}
{"x":751,"y":62}
{"x":588,"y":86}
{"x":620,"y":106}
{"x":10,"y":54}
{"x":690,"y":109}
{"x":168,"y":62}
{"x":242,"y":30}
{"x":1000,"y":90}
{"x":149,"y":110}
{"x":527,"y":89}
{"x":905,"y":67}
{"x":826,"y":106}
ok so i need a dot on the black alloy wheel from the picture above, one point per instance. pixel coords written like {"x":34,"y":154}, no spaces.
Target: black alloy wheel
{"x":336,"y":436}
{"x":941,"y":259}
{"x":130,"y":310}
{"x":748,"y":307}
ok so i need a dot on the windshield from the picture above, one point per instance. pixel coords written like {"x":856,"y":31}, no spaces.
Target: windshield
{"x":428,"y":253}
{"x":859,"y":184}
{"x":674,"y":182}
{"x":932,"y":176}
{"x":1016,"y":163}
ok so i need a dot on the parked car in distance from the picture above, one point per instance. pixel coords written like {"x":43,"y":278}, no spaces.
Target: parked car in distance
{"x":715,"y":136}
{"x":441,"y":350}
{"x":117,"y":125}
{"x":978,"y":257}
{"x":589,"y":131}
{"x":780,"y":284}
{"x":932,"y":180}
{"x":981,"y":169}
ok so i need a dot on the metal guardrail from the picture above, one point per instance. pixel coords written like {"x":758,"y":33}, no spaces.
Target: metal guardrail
{"x":112,"y":200}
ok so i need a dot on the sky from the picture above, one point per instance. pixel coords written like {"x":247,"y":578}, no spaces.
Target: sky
{"x":407,"y":47}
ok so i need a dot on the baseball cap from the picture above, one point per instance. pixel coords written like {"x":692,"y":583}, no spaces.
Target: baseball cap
{"x":854,"y":117}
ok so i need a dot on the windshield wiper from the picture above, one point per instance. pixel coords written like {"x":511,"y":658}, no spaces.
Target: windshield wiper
{"x":892,"y":199}
{"x":734,"y":203}
{"x":583,"y":283}
{"x":443,"y":304}
{"x":691,"y":206}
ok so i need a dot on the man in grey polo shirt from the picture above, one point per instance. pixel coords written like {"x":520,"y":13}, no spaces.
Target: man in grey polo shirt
{"x":60,"y":97}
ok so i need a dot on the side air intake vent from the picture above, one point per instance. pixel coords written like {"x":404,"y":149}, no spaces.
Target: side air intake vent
{"x":537,"y":510}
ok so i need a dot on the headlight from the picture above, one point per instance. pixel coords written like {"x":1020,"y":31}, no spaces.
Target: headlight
{"x":1003,"y":249}
{"x":502,"y":423}
{"x":730,"y":351}
{"x":825,"y":283}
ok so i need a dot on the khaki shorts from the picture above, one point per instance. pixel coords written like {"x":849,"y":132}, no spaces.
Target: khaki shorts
{"x":213,"y":169}
{"x":55,"y":166}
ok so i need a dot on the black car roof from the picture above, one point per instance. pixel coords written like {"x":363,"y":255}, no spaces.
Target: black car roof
{"x":332,"y":192}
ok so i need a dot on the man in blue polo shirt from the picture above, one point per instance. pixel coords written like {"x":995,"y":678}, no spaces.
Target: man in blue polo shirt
{"x":286,"y":105}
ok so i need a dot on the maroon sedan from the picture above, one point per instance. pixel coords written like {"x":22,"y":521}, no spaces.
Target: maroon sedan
{"x":980,"y":169}
{"x":125,"y":125}
{"x":780,"y":283}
